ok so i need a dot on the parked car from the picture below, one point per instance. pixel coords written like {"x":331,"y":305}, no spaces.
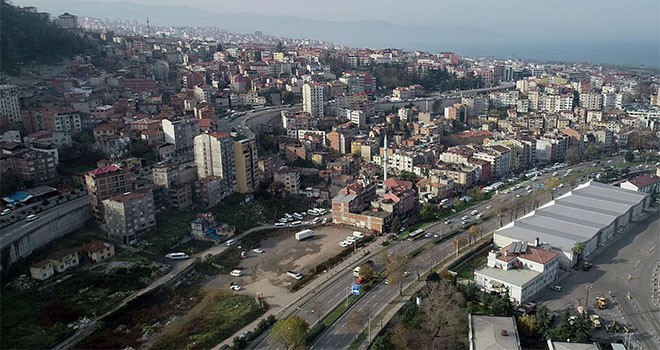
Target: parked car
{"x":257,"y":250}
{"x":296,"y":275}
{"x":31,"y":217}
{"x":344,"y":244}
{"x":556,"y":288}
{"x":5,"y":212}
{"x":230,"y":242}
{"x":447,"y":222}
{"x":235,"y":287}
{"x":236,"y":273}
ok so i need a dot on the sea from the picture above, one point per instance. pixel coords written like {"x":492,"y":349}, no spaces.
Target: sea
{"x":638,"y":54}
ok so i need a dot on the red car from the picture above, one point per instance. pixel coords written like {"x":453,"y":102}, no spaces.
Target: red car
{"x":359,"y":280}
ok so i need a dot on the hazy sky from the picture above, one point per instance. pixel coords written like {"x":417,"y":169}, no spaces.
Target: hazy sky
{"x":617,"y":19}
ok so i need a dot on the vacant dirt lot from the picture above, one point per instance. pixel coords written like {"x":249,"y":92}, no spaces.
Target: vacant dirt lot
{"x":266,"y":273}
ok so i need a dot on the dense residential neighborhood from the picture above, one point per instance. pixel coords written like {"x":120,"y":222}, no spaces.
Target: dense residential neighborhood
{"x":169,"y":170}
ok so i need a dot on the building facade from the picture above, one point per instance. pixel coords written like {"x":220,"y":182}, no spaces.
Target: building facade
{"x":129,"y":216}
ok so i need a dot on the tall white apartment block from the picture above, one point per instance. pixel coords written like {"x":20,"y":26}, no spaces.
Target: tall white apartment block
{"x":9,"y":104}
{"x":214,"y":156}
{"x":313,"y":99}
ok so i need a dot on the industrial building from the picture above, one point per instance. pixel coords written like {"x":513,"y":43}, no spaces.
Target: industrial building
{"x":590,"y":214}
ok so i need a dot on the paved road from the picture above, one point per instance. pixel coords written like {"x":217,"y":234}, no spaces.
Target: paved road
{"x":339,"y":337}
{"x":15,"y":231}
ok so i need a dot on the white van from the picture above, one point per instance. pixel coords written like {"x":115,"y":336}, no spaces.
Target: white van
{"x":177,"y":256}
{"x":230,"y":242}
{"x":474,"y":212}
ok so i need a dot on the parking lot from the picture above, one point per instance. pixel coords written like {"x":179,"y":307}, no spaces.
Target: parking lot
{"x":266,"y":273}
{"x":626,"y":274}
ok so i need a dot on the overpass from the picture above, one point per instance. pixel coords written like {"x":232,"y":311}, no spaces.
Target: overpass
{"x":22,"y":238}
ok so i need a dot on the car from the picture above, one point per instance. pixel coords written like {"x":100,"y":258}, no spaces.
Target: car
{"x":296,"y":275}
{"x":406,"y":273}
{"x":428,"y":235}
{"x":31,"y":217}
{"x":235,"y":287}
{"x":447,"y":222}
{"x":464,"y":218}
{"x":344,"y":244}
{"x":351,"y":239}
{"x":236,"y":273}
{"x":257,"y":250}
{"x":556,"y":288}
{"x":230,"y":242}
{"x":488,"y":206}
{"x":5,"y":212}
{"x":560,"y":185}
{"x":436,"y":235}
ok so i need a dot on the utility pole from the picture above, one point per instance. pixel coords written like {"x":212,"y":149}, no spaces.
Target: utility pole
{"x":586,"y":300}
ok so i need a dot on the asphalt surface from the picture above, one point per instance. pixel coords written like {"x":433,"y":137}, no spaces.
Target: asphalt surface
{"x":339,"y":337}
{"x":15,"y":231}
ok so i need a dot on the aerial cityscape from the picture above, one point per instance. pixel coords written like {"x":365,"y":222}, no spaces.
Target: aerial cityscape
{"x":234,"y":175}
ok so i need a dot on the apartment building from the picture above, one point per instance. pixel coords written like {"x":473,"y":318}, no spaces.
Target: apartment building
{"x":289,"y":178}
{"x":9,"y":103}
{"x":103,"y":183}
{"x":215,"y":156}
{"x":313,"y":99}
{"x":34,"y":165}
{"x":129,"y":216}
{"x":247,"y":167}
{"x":181,"y":133}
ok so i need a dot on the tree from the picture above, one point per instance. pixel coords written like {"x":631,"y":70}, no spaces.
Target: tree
{"x":573,"y":183}
{"x":473,"y":232}
{"x":395,"y":266}
{"x":400,"y":337}
{"x":433,"y":277}
{"x":396,"y":225}
{"x":551,"y":185}
{"x":592,"y":151}
{"x":458,"y":242}
{"x":629,"y":157}
{"x":428,"y":212}
{"x":291,"y":332}
{"x":543,"y":321}
{"x":356,"y":321}
{"x":528,"y":325}
{"x":366,"y":272}
{"x":578,"y":249}
{"x":382,"y":342}
{"x":407,"y":176}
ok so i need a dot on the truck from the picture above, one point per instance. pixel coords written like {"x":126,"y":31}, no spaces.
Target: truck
{"x":304,"y":234}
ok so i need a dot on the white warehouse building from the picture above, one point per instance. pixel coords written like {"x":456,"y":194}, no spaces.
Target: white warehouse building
{"x":592,"y":214}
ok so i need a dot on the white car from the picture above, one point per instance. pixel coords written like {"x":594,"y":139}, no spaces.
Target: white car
{"x":488,"y":206}
{"x":351,"y":239}
{"x":230,"y":242}
{"x":257,"y":250}
{"x":518,"y":195}
{"x":344,"y":244}
{"x":235,"y":287}
{"x":5,"y":212}
{"x":236,"y":273}
{"x":556,"y":288}
{"x":447,"y":222}
{"x":464,"y":218}
{"x":296,"y":275}
{"x":31,"y":217}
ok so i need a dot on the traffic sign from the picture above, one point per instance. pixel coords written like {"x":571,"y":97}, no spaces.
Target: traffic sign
{"x":355,"y":289}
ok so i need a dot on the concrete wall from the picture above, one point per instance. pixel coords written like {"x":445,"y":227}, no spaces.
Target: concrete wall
{"x":45,"y":232}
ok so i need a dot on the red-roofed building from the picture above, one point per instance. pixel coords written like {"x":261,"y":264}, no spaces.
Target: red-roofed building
{"x":519,"y":270}
{"x":394,"y":183}
{"x":647,"y":183}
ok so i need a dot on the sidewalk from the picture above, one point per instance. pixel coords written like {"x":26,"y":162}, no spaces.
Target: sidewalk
{"x":308,"y":290}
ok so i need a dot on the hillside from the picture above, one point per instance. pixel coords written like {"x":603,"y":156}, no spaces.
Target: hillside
{"x":27,"y":38}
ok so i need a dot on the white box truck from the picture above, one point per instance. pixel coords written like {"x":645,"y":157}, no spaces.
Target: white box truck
{"x":304,"y":234}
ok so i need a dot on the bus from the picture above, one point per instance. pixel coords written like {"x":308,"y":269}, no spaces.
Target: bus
{"x":416,"y":234}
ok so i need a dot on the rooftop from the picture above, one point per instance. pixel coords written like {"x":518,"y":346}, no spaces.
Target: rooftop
{"x":644,"y":180}
{"x":493,"y":333}
{"x":516,"y":277}
{"x":104,"y":170}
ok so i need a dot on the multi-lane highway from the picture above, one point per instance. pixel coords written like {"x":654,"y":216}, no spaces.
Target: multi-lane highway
{"x":339,"y":337}
{"x":15,"y":231}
